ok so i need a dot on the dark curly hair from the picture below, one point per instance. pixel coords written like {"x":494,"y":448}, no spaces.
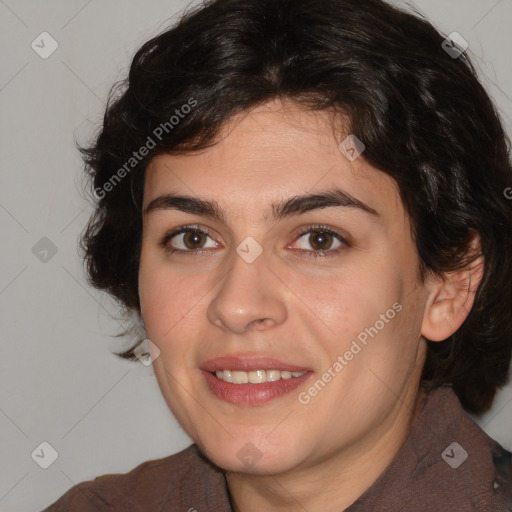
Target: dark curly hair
{"x":420,"y":110}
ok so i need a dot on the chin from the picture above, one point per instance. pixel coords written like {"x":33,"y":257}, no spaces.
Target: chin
{"x":249,"y":458}
{"x":263,"y":467}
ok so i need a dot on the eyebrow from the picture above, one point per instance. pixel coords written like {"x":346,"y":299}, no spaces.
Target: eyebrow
{"x":296,"y":205}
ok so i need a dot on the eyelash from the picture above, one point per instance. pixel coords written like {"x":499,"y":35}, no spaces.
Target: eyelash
{"x":312,"y":254}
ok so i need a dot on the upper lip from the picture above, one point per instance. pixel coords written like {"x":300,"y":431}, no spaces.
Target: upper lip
{"x":248,"y":364}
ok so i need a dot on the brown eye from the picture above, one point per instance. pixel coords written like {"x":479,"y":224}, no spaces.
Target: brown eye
{"x":187,"y":240}
{"x":320,"y":241}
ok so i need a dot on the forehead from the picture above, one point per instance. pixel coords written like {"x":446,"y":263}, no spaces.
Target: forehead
{"x":275,"y":151}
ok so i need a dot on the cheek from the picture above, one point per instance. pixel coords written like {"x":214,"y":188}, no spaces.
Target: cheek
{"x":355,"y":297}
{"x":364,"y":308}
{"x":154,"y":296}
{"x":165,"y":300}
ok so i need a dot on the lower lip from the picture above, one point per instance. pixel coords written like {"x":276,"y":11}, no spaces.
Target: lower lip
{"x":252,"y":394}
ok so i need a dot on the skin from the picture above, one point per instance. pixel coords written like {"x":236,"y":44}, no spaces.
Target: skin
{"x":323,"y":455}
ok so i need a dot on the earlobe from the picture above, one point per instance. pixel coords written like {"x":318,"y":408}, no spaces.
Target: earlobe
{"x":450,"y":300}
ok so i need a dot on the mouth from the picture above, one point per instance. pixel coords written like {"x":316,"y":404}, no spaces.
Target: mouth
{"x":250,"y":381}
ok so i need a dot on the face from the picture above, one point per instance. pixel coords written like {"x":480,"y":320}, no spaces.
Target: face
{"x":257,"y":277}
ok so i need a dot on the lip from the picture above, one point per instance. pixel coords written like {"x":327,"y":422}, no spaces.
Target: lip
{"x":249,"y":364}
{"x":252,"y":394}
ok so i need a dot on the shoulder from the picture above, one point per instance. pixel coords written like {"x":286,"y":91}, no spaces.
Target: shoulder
{"x":483,"y":473}
{"x":478,"y":468}
{"x":448,"y":462}
{"x":149,"y":485}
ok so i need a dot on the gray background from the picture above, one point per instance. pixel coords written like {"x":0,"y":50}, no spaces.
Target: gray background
{"x":59,"y":381}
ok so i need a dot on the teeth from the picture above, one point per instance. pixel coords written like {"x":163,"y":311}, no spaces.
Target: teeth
{"x":273,"y":375}
{"x":239,"y":377}
{"x":255,"y":377}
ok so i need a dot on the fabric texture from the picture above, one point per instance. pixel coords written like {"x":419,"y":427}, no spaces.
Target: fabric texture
{"x":447,"y":463}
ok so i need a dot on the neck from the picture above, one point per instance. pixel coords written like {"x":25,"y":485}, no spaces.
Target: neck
{"x":335,"y":483}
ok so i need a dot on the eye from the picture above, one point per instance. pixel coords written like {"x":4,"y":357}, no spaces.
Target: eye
{"x":186,"y":239}
{"x":324,"y":241}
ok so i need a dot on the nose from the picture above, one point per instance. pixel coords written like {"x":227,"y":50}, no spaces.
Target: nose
{"x":250,"y":296}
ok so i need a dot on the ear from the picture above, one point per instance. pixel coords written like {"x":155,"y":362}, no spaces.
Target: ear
{"x":451,"y":297}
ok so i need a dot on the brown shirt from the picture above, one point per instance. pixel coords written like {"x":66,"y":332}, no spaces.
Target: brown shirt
{"x":448,"y":463}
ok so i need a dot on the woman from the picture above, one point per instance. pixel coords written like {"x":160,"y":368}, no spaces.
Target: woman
{"x":305,"y":203}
